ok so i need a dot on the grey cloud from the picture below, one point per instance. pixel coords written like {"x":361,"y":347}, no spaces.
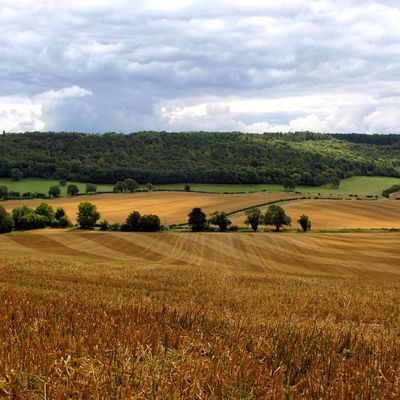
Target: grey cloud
{"x":138,"y":58}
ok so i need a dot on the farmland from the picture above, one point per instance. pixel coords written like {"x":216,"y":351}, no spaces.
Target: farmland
{"x":172,"y":207}
{"x":341,"y":214}
{"x":170,"y":315}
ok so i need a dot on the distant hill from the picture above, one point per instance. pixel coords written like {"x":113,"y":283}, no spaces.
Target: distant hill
{"x":203,"y":157}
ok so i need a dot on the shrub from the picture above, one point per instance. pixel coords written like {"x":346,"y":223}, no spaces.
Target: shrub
{"x":72,"y":190}
{"x":233,"y":228}
{"x":6,"y":221}
{"x":115,"y":227}
{"x":104,"y":226}
{"x":304,"y":222}
{"x":3,"y":192}
{"x":125,"y":228}
{"x":64,"y":222}
{"x":14,"y":194}
{"x":220,"y":219}
{"x":60,"y":212}
{"x":197,"y":220}
{"x":32,"y":221}
{"x":54,"y":191}
{"x":91,"y":188}
{"x":18,"y":214}
{"x":150,"y":223}
{"x":187,"y":188}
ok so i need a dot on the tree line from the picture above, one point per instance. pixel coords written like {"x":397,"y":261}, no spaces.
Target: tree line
{"x":198,"y":157}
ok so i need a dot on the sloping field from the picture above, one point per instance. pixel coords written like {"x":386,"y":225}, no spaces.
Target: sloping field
{"x":171,"y":207}
{"x":324,"y":254}
{"x":89,"y":315}
{"x":342,"y":214}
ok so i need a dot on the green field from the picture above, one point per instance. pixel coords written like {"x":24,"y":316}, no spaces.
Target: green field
{"x":43,"y":185}
{"x":360,"y":185}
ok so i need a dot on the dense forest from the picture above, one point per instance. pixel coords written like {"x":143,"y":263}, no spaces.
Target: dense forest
{"x":203,"y":157}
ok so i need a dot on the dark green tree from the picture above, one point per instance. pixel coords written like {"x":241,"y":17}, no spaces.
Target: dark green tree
{"x":72,"y":190}
{"x":220,"y":219}
{"x":6,"y":221}
{"x":54,"y":191}
{"x":304,"y":222}
{"x":277,"y":217}
{"x":149,"y":187}
{"x":87,"y":215}
{"x":16,"y":174}
{"x":60,"y":212}
{"x":120,"y":187}
{"x":289,"y":184}
{"x":197,"y":220}
{"x":187,"y":188}
{"x":150,"y":223}
{"x":47,"y":211}
{"x":62,"y":182}
{"x":91,"y":188}
{"x":3,"y":192}
{"x":335,"y":182}
{"x":253,"y":218}
{"x":134,"y":221}
{"x":131,"y":185}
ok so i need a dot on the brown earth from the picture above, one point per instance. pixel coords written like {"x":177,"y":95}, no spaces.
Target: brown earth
{"x":171,"y":207}
{"x":341,"y":214}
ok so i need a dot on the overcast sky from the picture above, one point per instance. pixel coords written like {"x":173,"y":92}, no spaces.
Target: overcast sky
{"x":256,"y":66}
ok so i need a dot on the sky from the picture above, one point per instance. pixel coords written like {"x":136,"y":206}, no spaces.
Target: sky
{"x":251,"y":66}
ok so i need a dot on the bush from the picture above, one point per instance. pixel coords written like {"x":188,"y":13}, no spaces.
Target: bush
{"x":125,"y":228}
{"x":27,"y":195}
{"x":150,"y":223}
{"x":14,"y":194}
{"x":233,"y":228}
{"x":18,"y":215}
{"x":32,"y":221}
{"x":54,"y":191}
{"x":6,"y":221}
{"x":197,"y":220}
{"x":60,"y":212}
{"x":3,"y":192}
{"x":64,"y":222}
{"x":115,"y":227}
{"x":104,"y":226}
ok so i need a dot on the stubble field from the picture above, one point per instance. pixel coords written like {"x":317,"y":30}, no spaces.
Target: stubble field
{"x":171,"y":207}
{"x":179,"y":315}
{"x":341,"y":214}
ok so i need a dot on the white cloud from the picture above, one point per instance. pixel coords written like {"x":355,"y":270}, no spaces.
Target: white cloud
{"x":188,"y":64}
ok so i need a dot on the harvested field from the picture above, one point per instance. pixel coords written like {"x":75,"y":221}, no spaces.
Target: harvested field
{"x":341,"y":214}
{"x":171,"y":207}
{"x":170,"y":315}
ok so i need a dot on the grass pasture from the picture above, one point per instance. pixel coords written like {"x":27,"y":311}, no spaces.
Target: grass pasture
{"x":42,"y":185}
{"x":360,"y":185}
{"x":171,"y":207}
{"x":340,"y":214}
{"x":169,"y":315}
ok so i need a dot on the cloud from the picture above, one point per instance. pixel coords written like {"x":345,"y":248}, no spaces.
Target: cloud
{"x":185,"y":65}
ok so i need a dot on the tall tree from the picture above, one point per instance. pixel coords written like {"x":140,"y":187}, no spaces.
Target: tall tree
{"x":276,"y":216}
{"x":253,"y":218}
{"x":87,"y":215}
{"x":220,"y":219}
{"x":197,"y":220}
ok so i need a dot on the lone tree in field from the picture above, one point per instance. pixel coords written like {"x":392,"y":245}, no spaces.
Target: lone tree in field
{"x":276,"y":216}
{"x":120,"y":187}
{"x":149,"y":187}
{"x":131,"y":185}
{"x":187,"y":188}
{"x":304,"y":222}
{"x":6,"y":221}
{"x":54,"y":191}
{"x":16,"y":174}
{"x":62,"y":182}
{"x":289,"y":184}
{"x":150,"y":223}
{"x":91,"y":188}
{"x":220,"y":219}
{"x":253,"y":218}
{"x":87,"y":215}
{"x":72,"y":190}
{"x":197,"y":220}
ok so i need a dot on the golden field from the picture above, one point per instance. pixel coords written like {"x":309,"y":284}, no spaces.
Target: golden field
{"x":91,"y":315}
{"x":341,"y":214}
{"x":171,"y":207}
